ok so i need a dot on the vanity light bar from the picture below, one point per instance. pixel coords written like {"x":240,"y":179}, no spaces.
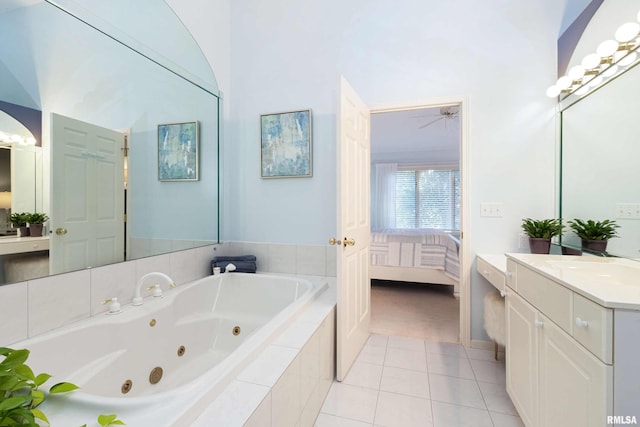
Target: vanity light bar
{"x":611,"y":56}
{"x":11,"y":138}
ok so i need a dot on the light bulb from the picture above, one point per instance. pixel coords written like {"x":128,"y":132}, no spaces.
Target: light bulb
{"x":596,"y":81}
{"x":553,"y":91}
{"x":4,"y":137}
{"x":587,"y":78}
{"x":576,"y":72}
{"x":610,"y":71}
{"x":607,"y":48}
{"x":583,"y":90}
{"x":31,"y":141}
{"x":627,"y":32}
{"x":591,"y":61}
{"x":629,"y":59}
{"x":564,"y":82}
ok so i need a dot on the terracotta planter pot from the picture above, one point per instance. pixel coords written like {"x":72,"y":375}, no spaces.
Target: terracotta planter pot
{"x":539,"y":245}
{"x":35,"y":230}
{"x":595,"y":245}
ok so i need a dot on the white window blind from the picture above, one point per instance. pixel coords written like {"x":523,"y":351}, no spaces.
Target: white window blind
{"x":428,"y":198}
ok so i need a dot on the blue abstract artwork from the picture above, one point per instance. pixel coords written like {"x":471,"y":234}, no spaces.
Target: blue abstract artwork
{"x":286,"y":144}
{"x":178,"y":152}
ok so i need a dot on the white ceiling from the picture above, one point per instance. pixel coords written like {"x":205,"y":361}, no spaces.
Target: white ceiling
{"x":396,"y":136}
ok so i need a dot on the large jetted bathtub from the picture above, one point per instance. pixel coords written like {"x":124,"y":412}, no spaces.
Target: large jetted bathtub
{"x":162,"y":363}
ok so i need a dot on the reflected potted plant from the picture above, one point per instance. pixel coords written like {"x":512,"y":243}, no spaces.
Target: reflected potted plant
{"x":36,"y":221}
{"x":540,"y":232}
{"x":594,"y":234}
{"x":19,"y":221}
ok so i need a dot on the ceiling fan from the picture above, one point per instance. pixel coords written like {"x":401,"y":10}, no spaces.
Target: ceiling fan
{"x":446,"y":113}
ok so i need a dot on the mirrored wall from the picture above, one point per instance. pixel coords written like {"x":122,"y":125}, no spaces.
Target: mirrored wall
{"x":102,"y":76}
{"x":600,"y":153}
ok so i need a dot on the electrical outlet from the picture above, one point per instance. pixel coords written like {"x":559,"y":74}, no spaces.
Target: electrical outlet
{"x":523,"y":241}
{"x":628,"y":210}
{"x":495,"y":210}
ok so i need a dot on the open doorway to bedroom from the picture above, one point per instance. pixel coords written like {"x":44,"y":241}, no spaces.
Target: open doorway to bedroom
{"x":416,"y":221}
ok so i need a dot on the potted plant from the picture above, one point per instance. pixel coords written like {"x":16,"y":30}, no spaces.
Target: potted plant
{"x":594,"y":234}
{"x":20,"y":220}
{"x":36,"y":221}
{"x":540,"y":232}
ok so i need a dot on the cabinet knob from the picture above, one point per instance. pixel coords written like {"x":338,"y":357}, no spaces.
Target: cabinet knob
{"x":580,"y":323}
{"x":538,"y":323}
{"x":503,"y":293}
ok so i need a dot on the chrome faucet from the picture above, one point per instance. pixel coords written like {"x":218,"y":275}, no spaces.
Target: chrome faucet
{"x":157,"y":292}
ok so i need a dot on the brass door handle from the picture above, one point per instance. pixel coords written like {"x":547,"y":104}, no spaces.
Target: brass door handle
{"x":345,"y":242}
{"x":61,"y":231}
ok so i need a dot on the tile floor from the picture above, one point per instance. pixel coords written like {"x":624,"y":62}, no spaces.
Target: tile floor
{"x":405,"y":382}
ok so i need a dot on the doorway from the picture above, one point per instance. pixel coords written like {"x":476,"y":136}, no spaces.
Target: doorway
{"x":426,"y":144}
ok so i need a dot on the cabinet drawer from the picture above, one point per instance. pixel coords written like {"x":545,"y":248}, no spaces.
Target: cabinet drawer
{"x":593,"y":327}
{"x":546,"y":295}
{"x":492,"y":274}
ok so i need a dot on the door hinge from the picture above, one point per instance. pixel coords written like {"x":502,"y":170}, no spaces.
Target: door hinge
{"x":124,"y":218}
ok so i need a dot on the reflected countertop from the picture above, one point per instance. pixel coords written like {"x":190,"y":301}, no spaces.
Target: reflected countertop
{"x":610,"y":282}
{"x":16,"y":245}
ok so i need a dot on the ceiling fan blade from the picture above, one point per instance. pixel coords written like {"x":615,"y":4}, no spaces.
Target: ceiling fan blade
{"x":431,"y":122}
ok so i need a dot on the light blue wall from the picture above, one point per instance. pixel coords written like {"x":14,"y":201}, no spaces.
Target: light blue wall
{"x":499,"y":55}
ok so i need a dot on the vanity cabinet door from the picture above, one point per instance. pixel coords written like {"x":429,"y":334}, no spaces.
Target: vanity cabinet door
{"x":575,"y":387}
{"x":522,"y":338}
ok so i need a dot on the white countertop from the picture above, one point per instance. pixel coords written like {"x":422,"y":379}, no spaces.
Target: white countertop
{"x":16,"y":245}
{"x":610,"y":282}
{"x":498,"y":261}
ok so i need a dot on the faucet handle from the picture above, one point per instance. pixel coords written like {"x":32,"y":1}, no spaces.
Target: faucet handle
{"x":157,"y":291}
{"x":114,"y":305}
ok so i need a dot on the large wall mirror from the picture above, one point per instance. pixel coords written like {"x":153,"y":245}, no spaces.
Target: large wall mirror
{"x":125,"y":75}
{"x":600,"y":178}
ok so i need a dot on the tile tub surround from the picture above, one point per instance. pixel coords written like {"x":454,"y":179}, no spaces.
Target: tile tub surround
{"x":36,"y":306}
{"x":287,"y":383}
{"x":311,"y":260}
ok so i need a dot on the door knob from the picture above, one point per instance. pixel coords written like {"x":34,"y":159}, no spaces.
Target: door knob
{"x":349,"y":242}
{"x":61,"y":231}
{"x":333,"y":241}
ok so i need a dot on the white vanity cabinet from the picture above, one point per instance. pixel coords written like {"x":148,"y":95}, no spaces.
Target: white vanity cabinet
{"x":562,"y":362}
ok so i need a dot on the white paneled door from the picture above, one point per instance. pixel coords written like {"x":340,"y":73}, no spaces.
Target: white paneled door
{"x":352,"y":241}
{"x":87,"y":195}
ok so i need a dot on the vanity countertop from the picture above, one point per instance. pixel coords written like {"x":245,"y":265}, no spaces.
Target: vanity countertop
{"x":17,"y":245}
{"x":610,"y":282}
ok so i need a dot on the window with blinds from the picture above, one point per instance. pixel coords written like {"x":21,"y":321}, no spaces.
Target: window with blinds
{"x":428,"y":198}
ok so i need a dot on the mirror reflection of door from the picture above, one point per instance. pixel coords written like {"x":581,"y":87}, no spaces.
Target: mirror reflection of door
{"x":87,"y":187}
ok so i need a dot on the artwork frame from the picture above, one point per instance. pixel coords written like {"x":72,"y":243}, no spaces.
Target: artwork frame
{"x":179,"y":151}
{"x":286,"y":146}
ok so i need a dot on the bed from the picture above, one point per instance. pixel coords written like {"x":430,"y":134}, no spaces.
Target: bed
{"x":416,"y":255}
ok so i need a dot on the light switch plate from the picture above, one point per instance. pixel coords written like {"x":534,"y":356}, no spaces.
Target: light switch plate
{"x":628,"y":210}
{"x":492,"y":209}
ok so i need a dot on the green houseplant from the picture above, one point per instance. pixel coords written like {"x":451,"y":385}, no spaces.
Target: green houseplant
{"x":20,"y":220}
{"x":540,"y":232}
{"x":36,"y":221}
{"x":20,"y":393}
{"x":594,"y":234}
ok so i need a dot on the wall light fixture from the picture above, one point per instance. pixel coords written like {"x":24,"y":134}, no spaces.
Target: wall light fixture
{"x":610,"y":58}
